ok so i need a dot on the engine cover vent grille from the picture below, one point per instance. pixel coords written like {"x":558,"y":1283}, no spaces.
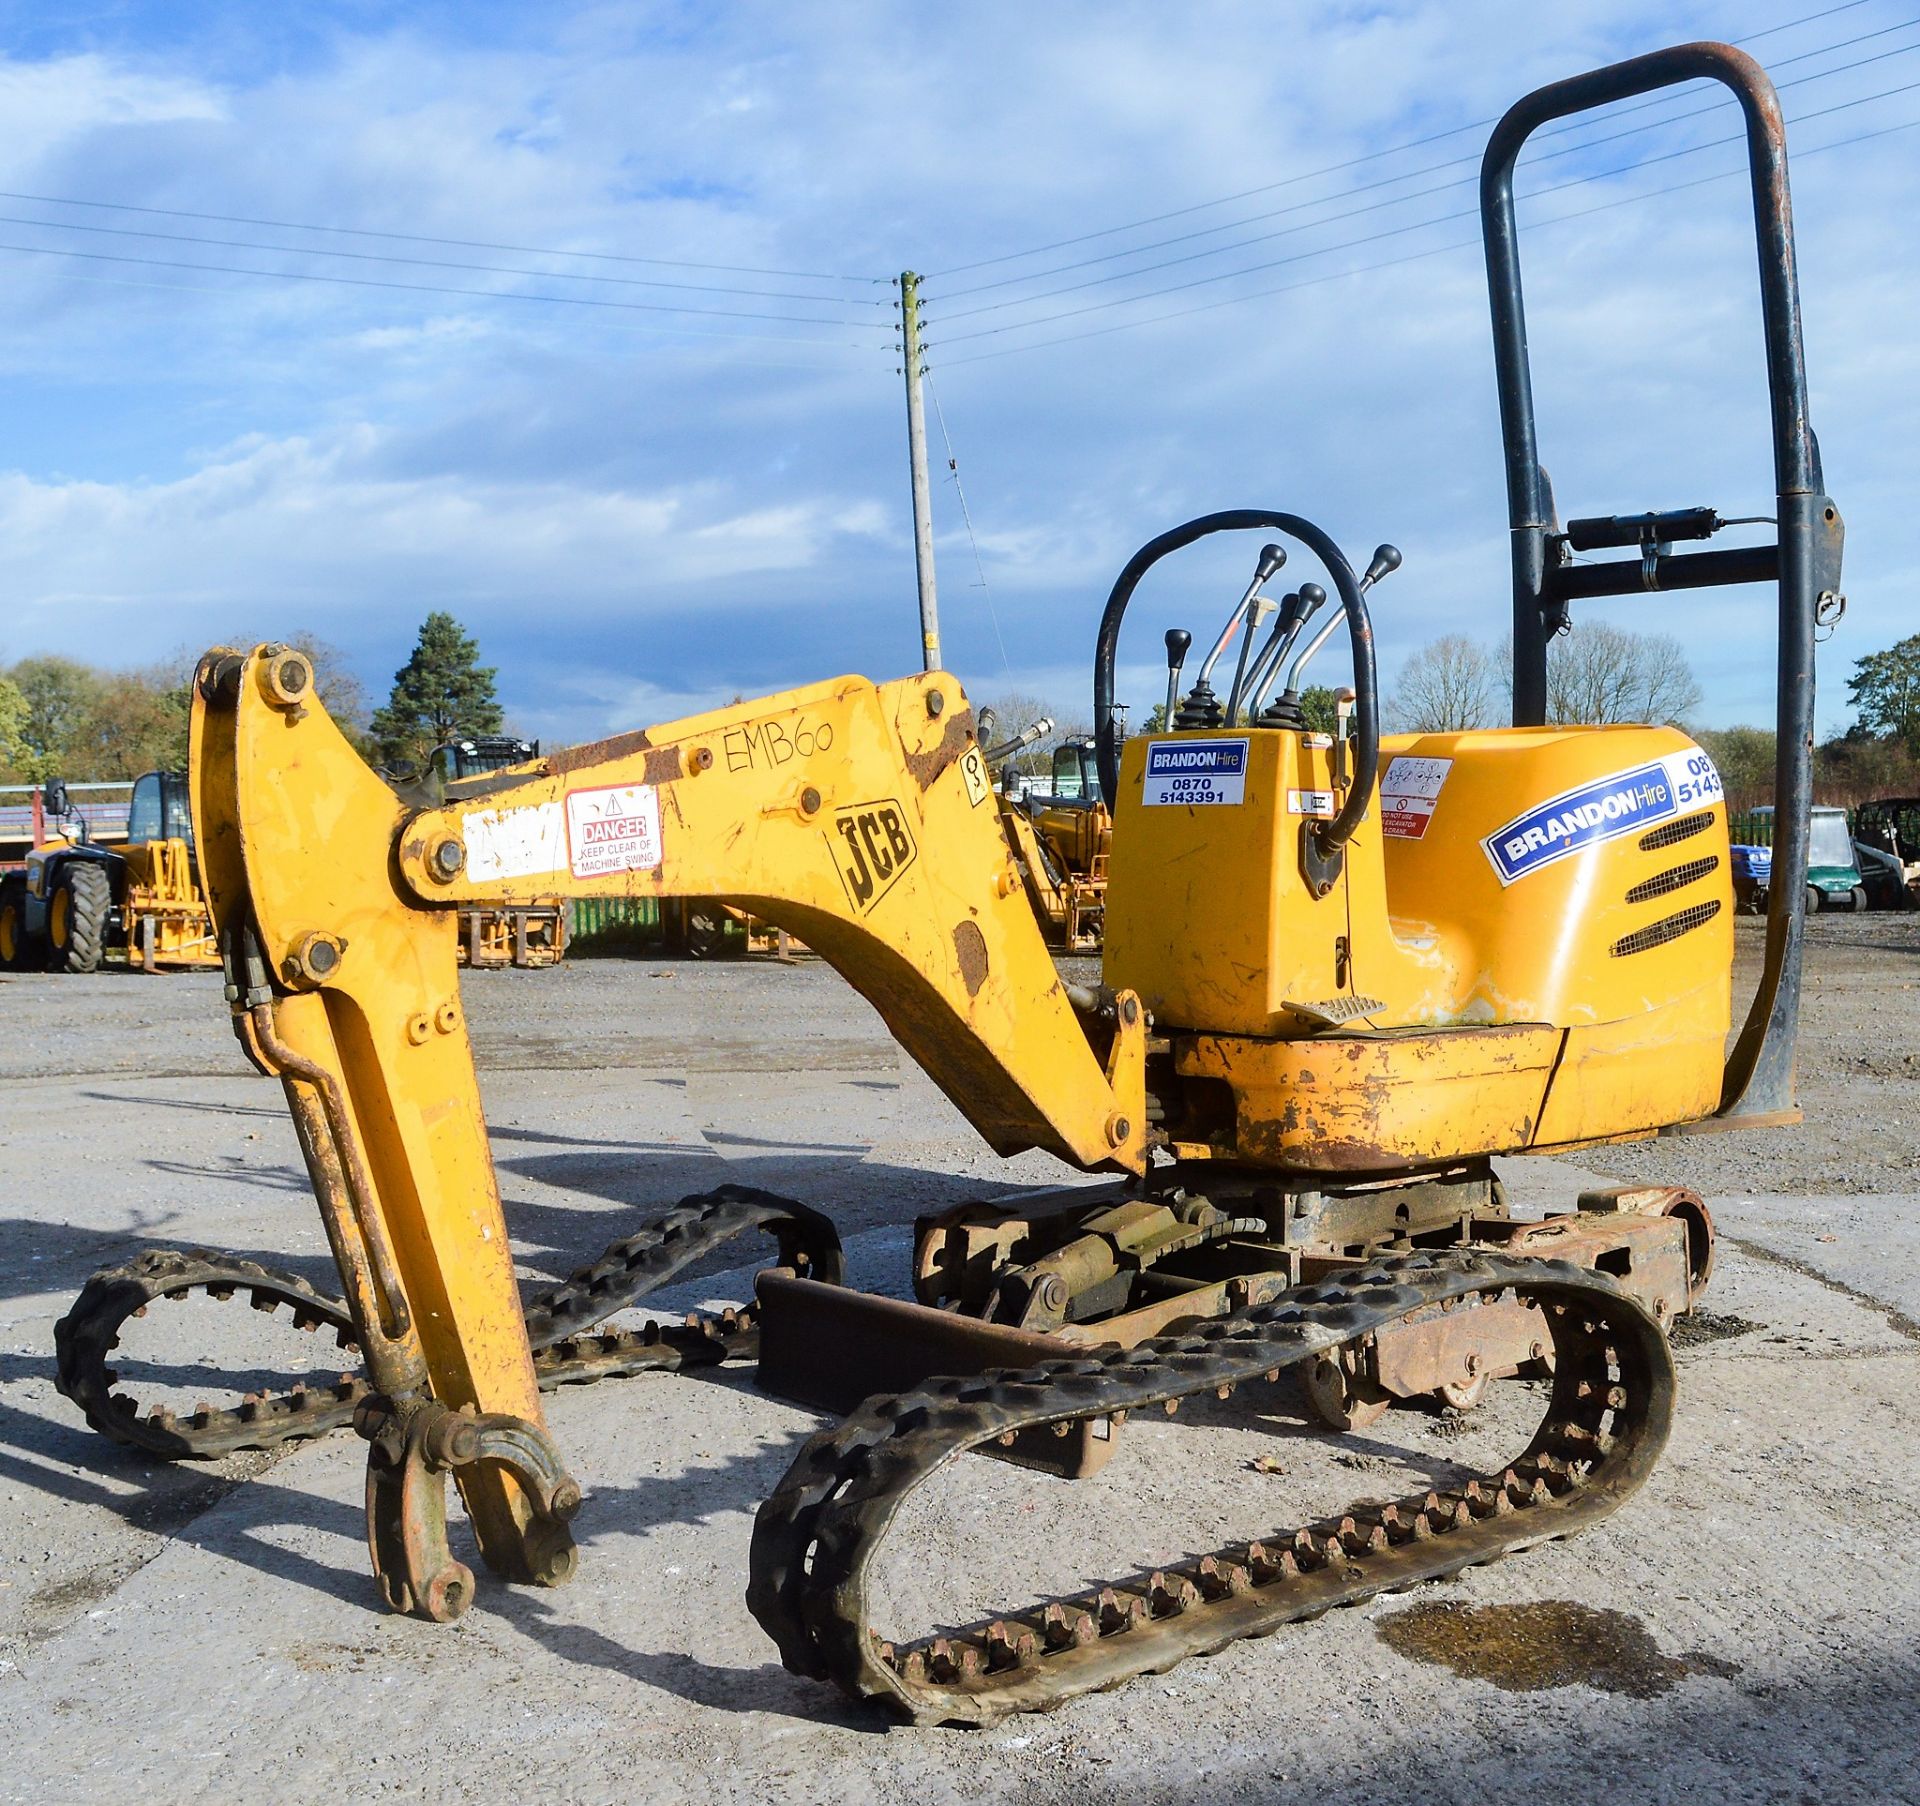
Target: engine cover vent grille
{"x":1671,"y":833}
{"x":1669,"y":928}
{"x":1667,"y":882}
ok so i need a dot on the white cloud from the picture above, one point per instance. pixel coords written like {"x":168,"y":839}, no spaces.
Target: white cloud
{"x":307,"y":523}
{"x":557,"y":472}
{"x":47,"y":105}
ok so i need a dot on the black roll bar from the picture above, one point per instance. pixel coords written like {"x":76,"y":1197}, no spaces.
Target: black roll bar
{"x":1805,"y":561}
{"x":1321,"y":842}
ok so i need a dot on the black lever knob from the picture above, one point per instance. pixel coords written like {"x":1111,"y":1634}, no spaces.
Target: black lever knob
{"x":1312,"y":595}
{"x":1293,"y":610}
{"x":1272,"y":557}
{"x":1386,"y":560}
{"x":1178,"y":640}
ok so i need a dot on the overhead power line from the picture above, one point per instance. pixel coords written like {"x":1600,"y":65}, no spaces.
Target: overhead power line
{"x":427,"y":288}
{"x":421,"y":238}
{"x":936,"y":339}
{"x":1404,"y":176}
{"x":440,"y":263}
{"x":650,"y":328}
{"x":966,"y":515}
{"x":1388,"y":263}
{"x":1247,"y":194}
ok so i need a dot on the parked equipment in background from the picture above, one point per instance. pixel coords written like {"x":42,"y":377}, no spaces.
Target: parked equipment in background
{"x":531,"y":934}
{"x":1833,"y":880}
{"x":1061,"y":834}
{"x":703,"y":928}
{"x":75,"y":899}
{"x":1752,"y":877}
{"x":1886,"y":842}
{"x":1339,"y":981}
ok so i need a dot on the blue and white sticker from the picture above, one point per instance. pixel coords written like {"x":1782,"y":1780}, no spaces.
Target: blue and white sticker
{"x":1196,"y":771}
{"x":1603,"y":810}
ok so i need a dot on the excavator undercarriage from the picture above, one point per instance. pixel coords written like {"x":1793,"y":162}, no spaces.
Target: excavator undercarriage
{"x":1343,"y":976}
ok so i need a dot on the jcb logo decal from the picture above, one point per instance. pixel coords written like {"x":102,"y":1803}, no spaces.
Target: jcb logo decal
{"x":871,"y":847}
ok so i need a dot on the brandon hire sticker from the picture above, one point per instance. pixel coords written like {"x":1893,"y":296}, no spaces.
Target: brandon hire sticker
{"x":1408,"y":793}
{"x":613,"y":830}
{"x":1603,"y":810}
{"x":1196,"y":771}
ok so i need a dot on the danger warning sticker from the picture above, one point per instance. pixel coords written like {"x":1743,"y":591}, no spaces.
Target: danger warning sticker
{"x":1408,"y":793}
{"x":613,"y":830}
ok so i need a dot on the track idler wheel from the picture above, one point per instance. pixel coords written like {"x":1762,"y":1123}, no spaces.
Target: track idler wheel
{"x":1341,"y":1392}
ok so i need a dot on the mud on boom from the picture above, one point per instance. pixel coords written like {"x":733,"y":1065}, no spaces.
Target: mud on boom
{"x":1342,"y":975}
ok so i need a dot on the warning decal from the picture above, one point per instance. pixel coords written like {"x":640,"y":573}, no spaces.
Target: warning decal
{"x":973,"y":768}
{"x":613,"y":830}
{"x":1408,"y":793}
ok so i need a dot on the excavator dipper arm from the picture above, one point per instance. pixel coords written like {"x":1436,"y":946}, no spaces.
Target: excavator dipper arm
{"x":858,"y":817}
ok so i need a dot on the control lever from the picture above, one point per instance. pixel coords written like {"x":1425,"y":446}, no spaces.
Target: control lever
{"x":1285,"y":711}
{"x":1202,"y":707}
{"x":1293,"y":616}
{"x":1178,"y":640}
{"x":1257,"y":611}
{"x":1343,"y":701}
{"x":1385,"y":561}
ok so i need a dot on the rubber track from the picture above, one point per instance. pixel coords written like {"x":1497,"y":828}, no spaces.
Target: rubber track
{"x":816,"y":1537}
{"x":567,"y":1351}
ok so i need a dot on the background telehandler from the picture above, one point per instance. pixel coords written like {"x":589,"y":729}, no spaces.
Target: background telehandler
{"x":75,"y":898}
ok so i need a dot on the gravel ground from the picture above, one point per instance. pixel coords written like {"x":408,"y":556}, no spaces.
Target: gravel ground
{"x":1744,"y":1630}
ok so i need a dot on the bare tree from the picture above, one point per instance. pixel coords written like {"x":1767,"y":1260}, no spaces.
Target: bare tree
{"x":1449,"y":685}
{"x":1599,"y":674}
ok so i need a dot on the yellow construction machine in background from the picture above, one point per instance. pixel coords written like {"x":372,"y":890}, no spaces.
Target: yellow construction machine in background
{"x":1343,"y":974}
{"x":75,"y":898}
{"x":533,"y":933}
{"x":1061,"y":836}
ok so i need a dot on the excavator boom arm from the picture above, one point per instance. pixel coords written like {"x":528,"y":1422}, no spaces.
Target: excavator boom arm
{"x":858,"y":816}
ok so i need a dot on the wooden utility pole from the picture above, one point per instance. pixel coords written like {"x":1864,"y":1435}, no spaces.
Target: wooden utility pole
{"x":917,"y":455}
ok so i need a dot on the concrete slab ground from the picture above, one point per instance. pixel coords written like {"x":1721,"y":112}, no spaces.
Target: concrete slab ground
{"x":1744,"y":1630}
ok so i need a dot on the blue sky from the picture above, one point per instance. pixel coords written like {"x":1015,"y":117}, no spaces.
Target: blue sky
{"x":641,"y":511}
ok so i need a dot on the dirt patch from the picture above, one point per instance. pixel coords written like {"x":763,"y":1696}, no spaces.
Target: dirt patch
{"x":1698,"y":1328}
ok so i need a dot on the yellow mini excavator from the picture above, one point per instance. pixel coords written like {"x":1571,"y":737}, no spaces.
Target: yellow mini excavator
{"x":1342,"y":975}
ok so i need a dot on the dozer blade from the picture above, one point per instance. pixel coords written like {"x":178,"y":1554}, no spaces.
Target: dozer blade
{"x":830,"y":1348}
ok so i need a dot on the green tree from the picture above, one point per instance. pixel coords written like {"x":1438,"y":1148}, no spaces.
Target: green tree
{"x":442,"y":689}
{"x":1744,"y":758}
{"x":60,"y":695}
{"x":137,"y":722}
{"x":1861,"y":767}
{"x":13,"y":722}
{"x":1885,"y":689}
{"x":1318,"y":708}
